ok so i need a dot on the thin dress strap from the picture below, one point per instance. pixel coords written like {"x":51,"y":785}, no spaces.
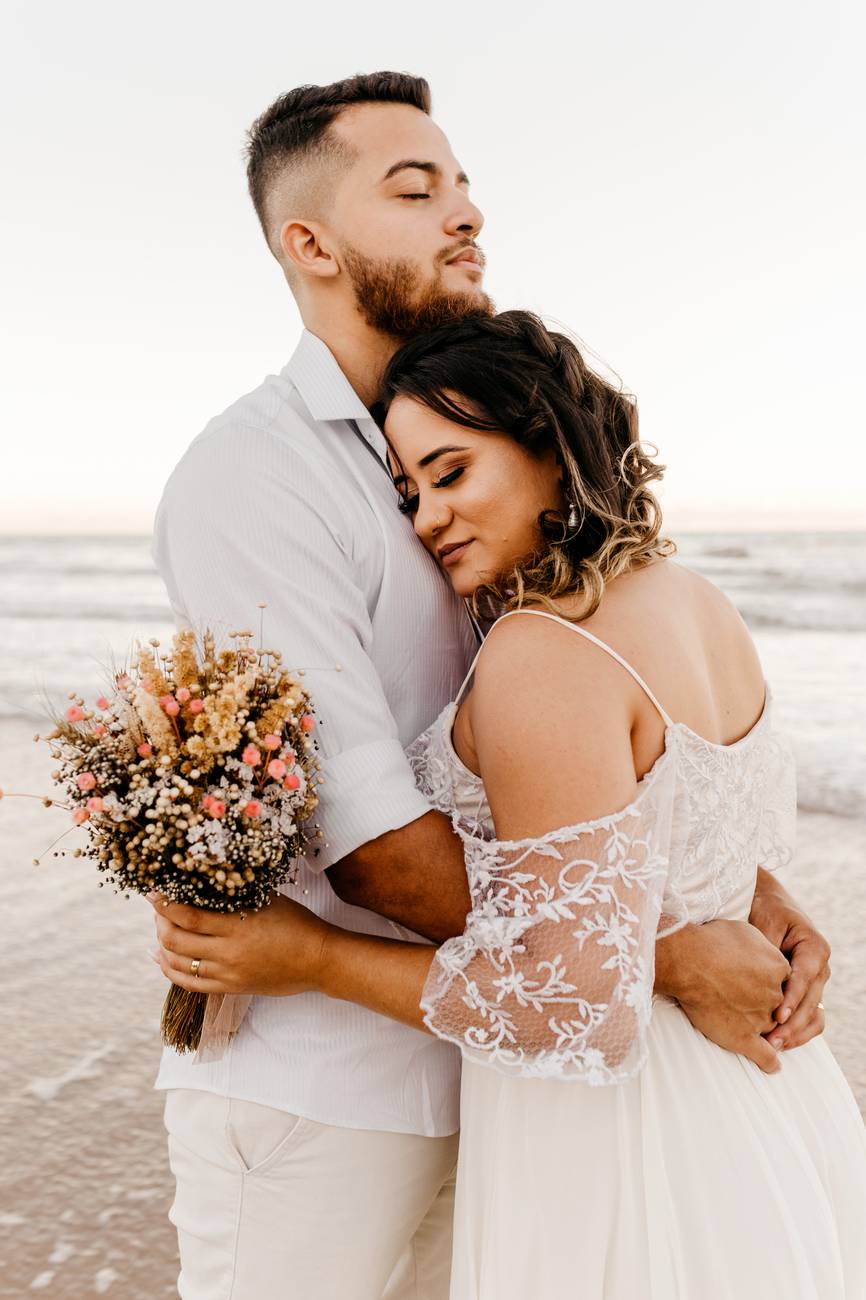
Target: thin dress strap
{"x":581,"y":631}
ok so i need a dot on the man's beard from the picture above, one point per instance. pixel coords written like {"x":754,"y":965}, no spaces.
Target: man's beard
{"x":393,"y":297}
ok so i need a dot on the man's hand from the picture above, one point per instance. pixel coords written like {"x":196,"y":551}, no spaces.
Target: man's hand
{"x":800,"y":1015}
{"x":276,"y":951}
{"x":728,"y":978}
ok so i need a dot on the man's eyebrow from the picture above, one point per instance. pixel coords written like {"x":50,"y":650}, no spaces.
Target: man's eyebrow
{"x":414,"y":164}
{"x":434,"y":455}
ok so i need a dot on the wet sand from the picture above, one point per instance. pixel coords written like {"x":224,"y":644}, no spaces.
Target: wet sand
{"x":85,"y":1183}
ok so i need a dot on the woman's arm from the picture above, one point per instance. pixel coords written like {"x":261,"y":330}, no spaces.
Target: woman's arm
{"x":384,"y":975}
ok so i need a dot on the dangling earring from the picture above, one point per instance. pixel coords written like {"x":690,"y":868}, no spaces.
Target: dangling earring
{"x":573,"y":517}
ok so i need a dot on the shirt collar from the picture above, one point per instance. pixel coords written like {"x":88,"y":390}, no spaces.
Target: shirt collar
{"x":314,"y":371}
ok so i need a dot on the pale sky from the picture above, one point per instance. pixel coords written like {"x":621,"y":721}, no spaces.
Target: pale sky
{"x":680,"y":183}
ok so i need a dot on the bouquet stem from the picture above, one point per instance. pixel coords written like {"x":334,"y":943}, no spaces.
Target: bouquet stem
{"x":182,"y":1019}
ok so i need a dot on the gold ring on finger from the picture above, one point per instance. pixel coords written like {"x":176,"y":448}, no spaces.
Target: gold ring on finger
{"x":194,"y":965}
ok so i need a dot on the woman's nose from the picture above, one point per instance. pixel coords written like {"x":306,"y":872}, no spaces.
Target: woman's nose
{"x":431,"y":518}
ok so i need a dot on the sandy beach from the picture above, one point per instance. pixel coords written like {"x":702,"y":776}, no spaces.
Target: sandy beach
{"x":86,"y":1187}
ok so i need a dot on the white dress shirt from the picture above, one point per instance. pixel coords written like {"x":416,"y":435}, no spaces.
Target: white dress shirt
{"x":278,"y":500}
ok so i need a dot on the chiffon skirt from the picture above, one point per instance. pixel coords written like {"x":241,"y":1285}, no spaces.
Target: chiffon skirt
{"x":701,"y":1179}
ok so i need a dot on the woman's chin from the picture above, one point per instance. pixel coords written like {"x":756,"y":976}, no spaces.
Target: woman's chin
{"x":465,"y":584}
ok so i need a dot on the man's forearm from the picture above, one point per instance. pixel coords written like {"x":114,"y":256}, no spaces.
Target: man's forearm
{"x":678,"y":954}
{"x":677,"y":963}
{"x":415,"y":876}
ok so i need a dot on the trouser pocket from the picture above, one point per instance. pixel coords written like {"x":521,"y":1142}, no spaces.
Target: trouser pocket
{"x":259,"y":1136}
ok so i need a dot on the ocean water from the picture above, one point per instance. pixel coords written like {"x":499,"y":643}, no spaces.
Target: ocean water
{"x":71,"y":606}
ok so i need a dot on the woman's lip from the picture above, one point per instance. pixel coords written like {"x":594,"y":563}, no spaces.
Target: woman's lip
{"x":454,"y":556}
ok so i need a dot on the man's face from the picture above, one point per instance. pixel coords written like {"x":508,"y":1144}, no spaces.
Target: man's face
{"x":403,"y":223}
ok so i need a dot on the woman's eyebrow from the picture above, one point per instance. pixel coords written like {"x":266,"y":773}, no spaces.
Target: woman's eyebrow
{"x":434,"y":455}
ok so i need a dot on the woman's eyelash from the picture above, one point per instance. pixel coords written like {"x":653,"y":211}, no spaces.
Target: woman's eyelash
{"x":447,"y":479}
{"x":414,"y":196}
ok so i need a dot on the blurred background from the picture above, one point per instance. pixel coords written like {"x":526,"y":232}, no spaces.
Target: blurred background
{"x":678,"y":184}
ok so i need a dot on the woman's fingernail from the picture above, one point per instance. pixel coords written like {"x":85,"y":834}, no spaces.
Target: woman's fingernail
{"x":784,"y":1014}
{"x":776,"y":1041}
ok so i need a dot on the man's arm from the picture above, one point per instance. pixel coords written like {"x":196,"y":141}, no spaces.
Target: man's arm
{"x":415,"y":876}
{"x":246,"y":517}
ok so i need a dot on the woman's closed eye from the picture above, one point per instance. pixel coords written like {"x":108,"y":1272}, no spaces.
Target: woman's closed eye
{"x":451,"y":477}
{"x":408,"y":505}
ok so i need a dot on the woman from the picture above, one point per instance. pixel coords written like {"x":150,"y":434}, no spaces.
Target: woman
{"x":614,"y":772}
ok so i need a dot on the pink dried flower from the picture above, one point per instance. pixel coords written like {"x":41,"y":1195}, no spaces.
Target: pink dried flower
{"x":147,"y":685}
{"x":100,"y":729}
{"x":86,"y":781}
{"x":253,"y":809}
{"x":196,"y":706}
{"x":272,"y":741}
{"x":291,"y":782}
{"x":171,"y":707}
{"x":182,"y":694}
{"x":95,"y":804}
{"x":308,"y":722}
{"x":80,"y":816}
{"x":102,"y":702}
{"x":217,"y":808}
{"x":75,"y":713}
{"x":145,"y":750}
{"x":276,"y":768}
{"x":251,"y":756}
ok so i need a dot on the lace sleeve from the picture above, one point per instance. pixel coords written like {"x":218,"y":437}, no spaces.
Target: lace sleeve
{"x":553,"y":975}
{"x":779,"y":816}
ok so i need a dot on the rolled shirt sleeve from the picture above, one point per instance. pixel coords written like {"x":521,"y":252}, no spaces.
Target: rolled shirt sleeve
{"x":246,"y":518}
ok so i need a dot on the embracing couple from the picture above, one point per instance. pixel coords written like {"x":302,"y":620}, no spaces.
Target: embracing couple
{"x":546,"y":862}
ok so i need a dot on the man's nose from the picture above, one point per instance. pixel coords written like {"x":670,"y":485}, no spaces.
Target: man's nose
{"x":465,"y":218}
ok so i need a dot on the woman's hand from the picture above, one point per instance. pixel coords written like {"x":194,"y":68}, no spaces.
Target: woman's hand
{"x":274,"y":952}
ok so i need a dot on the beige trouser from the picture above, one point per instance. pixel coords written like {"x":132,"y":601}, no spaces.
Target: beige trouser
{"x":270,"y":1206}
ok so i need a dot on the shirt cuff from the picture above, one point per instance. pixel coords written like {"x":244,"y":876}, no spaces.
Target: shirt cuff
{"x":366,"y":791}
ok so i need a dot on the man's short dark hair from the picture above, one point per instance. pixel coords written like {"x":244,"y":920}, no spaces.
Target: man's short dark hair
{"x":296,"y":125}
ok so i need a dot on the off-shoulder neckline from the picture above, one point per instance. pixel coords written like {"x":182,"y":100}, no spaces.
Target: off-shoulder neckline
{"x":449,"y":714}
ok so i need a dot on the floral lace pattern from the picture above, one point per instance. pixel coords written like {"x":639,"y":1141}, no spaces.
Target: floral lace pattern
{"x":553,"y":975}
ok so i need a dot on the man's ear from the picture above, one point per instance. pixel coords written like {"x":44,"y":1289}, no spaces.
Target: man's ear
{"x":305,"y":247}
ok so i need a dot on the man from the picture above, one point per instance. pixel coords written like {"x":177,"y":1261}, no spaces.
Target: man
{"x":316,"y":1158}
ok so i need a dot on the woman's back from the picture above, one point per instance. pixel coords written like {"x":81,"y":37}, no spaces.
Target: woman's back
{"x":691,"y":657}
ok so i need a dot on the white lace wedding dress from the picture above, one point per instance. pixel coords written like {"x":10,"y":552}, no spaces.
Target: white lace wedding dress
{"x":692,"y":1175}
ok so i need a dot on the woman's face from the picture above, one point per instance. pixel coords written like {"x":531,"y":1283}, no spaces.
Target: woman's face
{"x":474,"y":498}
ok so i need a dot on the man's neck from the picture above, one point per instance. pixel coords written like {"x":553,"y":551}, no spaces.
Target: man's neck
{"x":361,"y":352}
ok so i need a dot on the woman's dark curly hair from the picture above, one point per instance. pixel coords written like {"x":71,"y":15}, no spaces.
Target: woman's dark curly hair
{"x":510,"y":374}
